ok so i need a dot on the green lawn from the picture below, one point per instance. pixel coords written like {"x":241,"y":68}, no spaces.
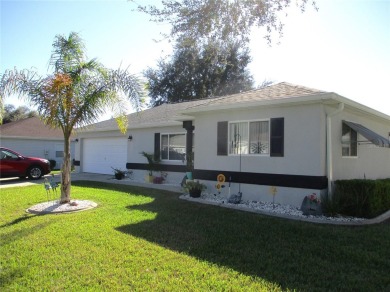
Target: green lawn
{"x":143,"y":239}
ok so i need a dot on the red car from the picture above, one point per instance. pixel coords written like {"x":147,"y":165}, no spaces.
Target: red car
{"x":14,"y":164}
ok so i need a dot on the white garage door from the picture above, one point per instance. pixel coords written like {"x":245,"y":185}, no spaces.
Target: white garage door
{"x":100,"y":154}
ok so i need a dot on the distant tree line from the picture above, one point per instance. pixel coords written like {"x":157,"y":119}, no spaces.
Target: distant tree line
{"x":13,"y":114}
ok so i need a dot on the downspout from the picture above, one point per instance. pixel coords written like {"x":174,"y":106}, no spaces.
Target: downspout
{"x":329,"y":160}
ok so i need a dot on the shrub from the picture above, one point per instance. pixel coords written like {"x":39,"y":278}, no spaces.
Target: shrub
{"x":331,"y":205}
{"x":362,"y":197}
{"x":52,"y":163}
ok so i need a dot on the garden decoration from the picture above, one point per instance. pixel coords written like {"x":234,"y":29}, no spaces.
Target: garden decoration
{"x":220,"y":182}
{"x":235,"y":198}
{"x":50,"y":187}
{"x":311,"y":205}
{"x":47,"y":187}
{"x":273,"y":190}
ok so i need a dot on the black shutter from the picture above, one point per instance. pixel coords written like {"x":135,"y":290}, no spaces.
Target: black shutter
{"x":222,"y":138}
{"x":277,"y":137}
{"x":156,"y":146}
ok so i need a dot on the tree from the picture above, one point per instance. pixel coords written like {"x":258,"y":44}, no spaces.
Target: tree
{"x":220,"y":19}
{"x":200,"y":71}
{"x":12,"y":114}
{"x":76,"y":94}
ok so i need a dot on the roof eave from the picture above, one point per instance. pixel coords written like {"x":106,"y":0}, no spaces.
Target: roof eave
{"x":360,"y":108}
{"x":132,"y":127}
{"x":313,"y":98}
{"x":32,"y":138}
{"x":326,"y":98}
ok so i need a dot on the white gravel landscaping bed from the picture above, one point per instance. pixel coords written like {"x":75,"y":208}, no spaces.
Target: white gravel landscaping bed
{"x":55,"y":207}
{"x":268,"y":208}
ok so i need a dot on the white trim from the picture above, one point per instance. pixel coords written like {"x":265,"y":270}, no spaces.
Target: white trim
{"x":33,"y":138}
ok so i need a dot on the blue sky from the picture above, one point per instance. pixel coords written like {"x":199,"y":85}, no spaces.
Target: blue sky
{"x":342,"y":48}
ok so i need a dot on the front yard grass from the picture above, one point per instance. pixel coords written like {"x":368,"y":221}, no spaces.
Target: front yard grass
{"x":142,"y":239}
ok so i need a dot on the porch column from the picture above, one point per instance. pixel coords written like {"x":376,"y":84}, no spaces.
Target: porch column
{"x":190,"y":130}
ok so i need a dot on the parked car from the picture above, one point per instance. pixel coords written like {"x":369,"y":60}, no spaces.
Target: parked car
{"x":15,"y":164}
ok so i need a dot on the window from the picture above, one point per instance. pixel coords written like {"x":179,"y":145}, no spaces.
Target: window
{"x":349,"y":141}
{"x":59,"y":153}
{"x":173,"y":146}
{"x":249,"y":137}
{"x":8,"y":155}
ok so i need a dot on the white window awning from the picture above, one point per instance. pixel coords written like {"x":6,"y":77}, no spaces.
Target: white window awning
{"x":371,"y":136}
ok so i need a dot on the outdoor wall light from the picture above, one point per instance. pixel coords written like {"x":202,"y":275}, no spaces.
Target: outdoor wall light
{"x":130,"y":138}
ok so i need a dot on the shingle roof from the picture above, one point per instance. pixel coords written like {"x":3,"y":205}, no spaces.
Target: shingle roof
{"x":30,"y":128}
{"x":277,"y":91}
{"x":168,"y":114}
{"x":164,"y":114}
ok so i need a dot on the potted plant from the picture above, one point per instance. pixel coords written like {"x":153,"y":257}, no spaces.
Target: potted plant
{"x":152,"y":165}
{"x":160,"y":179}
{"x":194,"y":188}
{"x":118,"y":173}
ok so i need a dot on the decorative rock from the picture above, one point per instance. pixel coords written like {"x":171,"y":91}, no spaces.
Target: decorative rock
{"x":270,"y":208}
{"x":55,"y":207}
{"x":235,"y":198}
{"x":309,"y":207}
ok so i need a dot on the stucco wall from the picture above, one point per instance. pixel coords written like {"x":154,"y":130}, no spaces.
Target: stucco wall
{"x":304,"y":150}
{"x":303,"y":142}
{"x":372,"y":161}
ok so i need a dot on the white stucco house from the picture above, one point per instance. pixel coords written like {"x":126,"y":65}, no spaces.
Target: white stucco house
{"x":291,"y":137}
{"x":31,"y":137}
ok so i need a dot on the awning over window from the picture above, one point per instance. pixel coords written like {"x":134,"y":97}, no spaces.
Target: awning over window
{"x":369,"y":135}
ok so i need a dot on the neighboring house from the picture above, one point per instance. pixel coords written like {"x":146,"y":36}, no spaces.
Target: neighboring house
{"x":31,"y":137}
{"x":294,"y":138}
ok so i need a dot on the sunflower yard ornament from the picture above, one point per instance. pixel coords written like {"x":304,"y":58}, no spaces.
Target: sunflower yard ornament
{"x":221,"y":178}
{"x":273,"y":191}
{"x":220,"y":182}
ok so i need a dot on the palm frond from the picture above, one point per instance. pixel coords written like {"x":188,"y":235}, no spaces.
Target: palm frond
{"x":68,"y":52}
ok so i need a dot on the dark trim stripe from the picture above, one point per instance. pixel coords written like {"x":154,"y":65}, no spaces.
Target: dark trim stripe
{"x":159,"y":167}
{"x":268,"y":179}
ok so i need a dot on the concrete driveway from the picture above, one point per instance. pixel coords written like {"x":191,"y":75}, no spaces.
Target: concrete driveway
{"x":17,"y":182}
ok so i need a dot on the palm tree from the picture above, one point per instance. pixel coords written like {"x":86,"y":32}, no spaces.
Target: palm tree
{"x":75,"y":94}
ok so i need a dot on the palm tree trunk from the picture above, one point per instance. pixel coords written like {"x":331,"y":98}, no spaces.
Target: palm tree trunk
{"x":65,"y":173}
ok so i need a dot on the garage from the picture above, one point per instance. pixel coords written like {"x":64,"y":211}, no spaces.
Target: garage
{"x":101,"y":154}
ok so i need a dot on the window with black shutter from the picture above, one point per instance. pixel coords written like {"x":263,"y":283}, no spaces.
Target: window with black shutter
{"x":258,"y":137}
{"x":222,"y":138}
{"x":157,"y":146}
{"x":277,"y":137}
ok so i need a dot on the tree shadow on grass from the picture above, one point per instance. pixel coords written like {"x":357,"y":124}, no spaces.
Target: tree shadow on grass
{"x":294,"y":255}
{"x":9,"y":276}
{"x":9,"y":237}
{"x":18,"y":220}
